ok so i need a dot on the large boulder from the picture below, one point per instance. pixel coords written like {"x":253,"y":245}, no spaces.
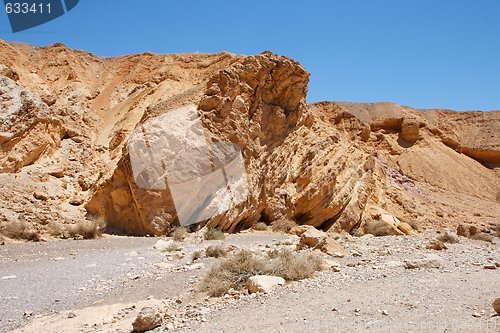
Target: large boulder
{"x":310,"y":237}
{"x":467,"y":230}
{"x":383,"y":225}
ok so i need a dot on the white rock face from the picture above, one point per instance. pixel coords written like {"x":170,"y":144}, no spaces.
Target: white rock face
{"x":264,"y":283}
{"x":205,"y":179}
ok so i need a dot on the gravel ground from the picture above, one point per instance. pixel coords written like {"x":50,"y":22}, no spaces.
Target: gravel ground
{"x":373,"y":291}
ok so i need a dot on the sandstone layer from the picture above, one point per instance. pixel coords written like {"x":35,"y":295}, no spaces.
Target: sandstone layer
{"x":66,"y":117}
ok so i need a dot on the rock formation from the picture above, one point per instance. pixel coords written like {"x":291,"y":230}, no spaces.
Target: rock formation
{"x":67,"y":116}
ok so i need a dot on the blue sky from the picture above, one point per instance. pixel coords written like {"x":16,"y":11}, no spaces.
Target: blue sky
{"x":422,"y":53}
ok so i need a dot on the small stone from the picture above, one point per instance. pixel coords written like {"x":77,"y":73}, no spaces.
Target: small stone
{"x":41,"y":195}
{"x":357,"y":310}
{"x":27,"y":313}
{"x":147,"y":319}
{"x":356,"y":253}
{"x":385,"y":312}
{"x":9,"y":277}
{"x":490,"y":266}
{"x":77,"y":201}
{"x":496,"y":305}
{"x":195,"y":266}
{"x":71,"y":315}
{"x":476,"y":315}
{"x":164,"y":265}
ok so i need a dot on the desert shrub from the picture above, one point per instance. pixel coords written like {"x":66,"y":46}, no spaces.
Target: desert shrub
{"x":448,"y":238}
{"x":273,"y":254}
{"x":231,"y":273}
{"x":179,"y":234}
{"x":294,"y":266}
{"x":234,"y":271}
{"x":259,"y":226}
{"x":21,"y":230}
{"x":55,"y":230}
{"x":283,"y":225}
{"x":215,"y":251}
{"x":87,"y":229}
{"x":172,"y":248}
{"x":90,"y":228}
{"x":214,"y":234}
{"x":196,"y":255}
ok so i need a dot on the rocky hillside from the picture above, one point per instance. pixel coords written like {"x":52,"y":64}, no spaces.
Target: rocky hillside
{"x":66,"y":117}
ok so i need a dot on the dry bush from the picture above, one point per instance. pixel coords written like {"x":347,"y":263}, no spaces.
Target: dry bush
{"x":57,"y":230}
{"x":215,"y":251}
{"x":173,"y":248}
{"x":196,"y":255}
{"x":231,"y":273}
{"x":179,"y":234}
{"x":214,"y":234}
{"x":448,"y":238}
{"x":237,"y":269}
{"x":21,"y":230}
{"x":261,"y":226}
{"x":283,"y":225}
{"x":88,"y":229}
{"x":294,"y":266}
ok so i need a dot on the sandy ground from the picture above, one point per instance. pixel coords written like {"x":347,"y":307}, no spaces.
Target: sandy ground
{"x":100,"y":285}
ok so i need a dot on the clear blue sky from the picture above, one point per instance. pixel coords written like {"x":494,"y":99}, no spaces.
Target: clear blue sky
{"x":422,"y":53}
